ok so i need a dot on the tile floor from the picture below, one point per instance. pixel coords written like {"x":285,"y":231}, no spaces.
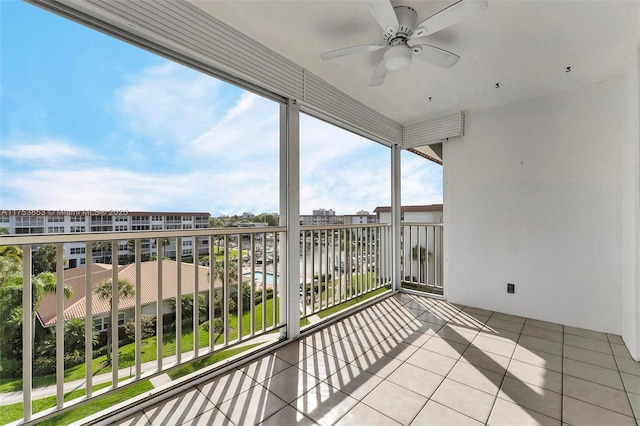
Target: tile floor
{"x":418,"y":361}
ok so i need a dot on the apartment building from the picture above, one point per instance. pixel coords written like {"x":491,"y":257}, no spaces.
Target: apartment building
{"x":329,"y":217}
{"x":21,"y":222}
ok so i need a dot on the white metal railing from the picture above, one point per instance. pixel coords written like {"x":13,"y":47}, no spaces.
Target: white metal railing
{"x":247,"y":267}
{"x":339,"y":263}
{"x":422,"y":256}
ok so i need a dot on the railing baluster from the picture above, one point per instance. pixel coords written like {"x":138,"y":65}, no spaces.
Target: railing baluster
{"x":179,"y":300}
{"x":326,"y":269}
{"x":276,"y":282}
{"x":212,"y":293}
{"x":252,"y":277}
{"x":319,"y":270}
{"x":138,"y":308}
{"x":159,"y":319}
{"x":240,"y":292}
{"x":115,"y":299}
{"x":27,"y":332}
{"x":88,"y":321}
{"x":264,"y":285}
{"x":59,"y":325}
{"x":196,"y":302}
{"x":304,"y":272}
{"x":225,"y":293}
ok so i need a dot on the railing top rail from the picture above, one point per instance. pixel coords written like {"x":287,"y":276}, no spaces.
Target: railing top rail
{"x":80,"y":237}
{"x":421,"y":224}
{"x":341,"y":226}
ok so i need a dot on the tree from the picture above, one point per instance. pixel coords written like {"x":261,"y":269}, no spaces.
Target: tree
{"x":187,"y":309}
{"x":9,"y":267}
{"x":11,"y":308}
{"x":101,"y":246}
{"x":147,"y":327}
{"x":13,"y":252}
{"x":103,"y":291}
{"x":44,"y":259}
{"x":74,"y":333}
{"x":218,"y":271}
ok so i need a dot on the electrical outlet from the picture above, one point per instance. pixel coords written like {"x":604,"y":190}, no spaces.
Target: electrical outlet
{"x":511,"y":288}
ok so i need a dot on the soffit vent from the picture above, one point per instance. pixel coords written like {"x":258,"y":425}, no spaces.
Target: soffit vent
{"x":345,"y":110}
{"x":433,"y":130}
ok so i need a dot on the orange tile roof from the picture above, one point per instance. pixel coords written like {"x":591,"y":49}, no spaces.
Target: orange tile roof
{"x":76,"y":306}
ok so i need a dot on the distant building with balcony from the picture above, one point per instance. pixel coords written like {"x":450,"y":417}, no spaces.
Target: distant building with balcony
{"x":84,"y":221}
{"x":329,"y":217}
{"x":360,"y":218}
{"x":320,"y":217}
{"x":431,"y":213}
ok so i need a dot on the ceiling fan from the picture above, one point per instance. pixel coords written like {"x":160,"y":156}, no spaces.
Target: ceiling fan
{"x":401,"y":36}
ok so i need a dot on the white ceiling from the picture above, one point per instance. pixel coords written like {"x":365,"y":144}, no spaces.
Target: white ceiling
{"x":523,"y":45}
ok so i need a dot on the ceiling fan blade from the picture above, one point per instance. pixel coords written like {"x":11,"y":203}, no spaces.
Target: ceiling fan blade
{"x":435,"y":55}
{"x":382,"y":10}
{"x":351,"y":50}
{"x":378,"y":76}
{"x":453,"y":14}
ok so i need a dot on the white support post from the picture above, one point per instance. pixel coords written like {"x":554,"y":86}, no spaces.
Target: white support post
{"x":179,"y":303}
{"x":138,"y":309}
{"x":395,"y":217}
{"x":290,"y":215}
{"x":27,"y":333}
{"x":196,"y":303}
{"x":88,"y":321}
{"x":159,"y":323}
{"x":59,"y":325}
{"x":115,"y":302}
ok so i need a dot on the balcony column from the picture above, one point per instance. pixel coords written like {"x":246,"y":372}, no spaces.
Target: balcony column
{"x":290,"y":216}
{"x":396,"y":201}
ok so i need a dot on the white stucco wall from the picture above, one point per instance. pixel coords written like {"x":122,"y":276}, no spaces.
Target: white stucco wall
{"x":631,"y":213}
{"x":532,"y":196}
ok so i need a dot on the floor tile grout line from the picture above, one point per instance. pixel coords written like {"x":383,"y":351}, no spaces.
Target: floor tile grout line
{"x":562,"y":381}
{"x":633,"y":413}
{"x":511,"y":358}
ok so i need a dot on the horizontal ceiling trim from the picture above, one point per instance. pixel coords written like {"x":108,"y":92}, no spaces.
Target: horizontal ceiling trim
{"x":433,"y":130}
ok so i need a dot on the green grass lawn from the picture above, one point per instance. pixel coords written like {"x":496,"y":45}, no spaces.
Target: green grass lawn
{"x":233,"y":253}
{"x":98,"y":404}
{"x":148,"y":351}
{"x":192,"y":366}
{"x":351,"y":302}
{"x":13,"y":412}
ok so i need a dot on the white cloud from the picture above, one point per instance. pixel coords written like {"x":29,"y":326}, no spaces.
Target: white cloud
{"x":421,"y":180}
{"x":248,"y":128}
{"x":169,"y":103}
{"x":97,"y":188}
{"x":43,"y":151}
{"x":219,"y":153}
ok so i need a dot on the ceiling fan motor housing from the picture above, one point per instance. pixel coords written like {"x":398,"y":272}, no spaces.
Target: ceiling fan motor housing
{"x":406,"y":23}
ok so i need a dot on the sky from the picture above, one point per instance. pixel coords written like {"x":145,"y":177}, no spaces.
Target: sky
{"x":90,"y":122}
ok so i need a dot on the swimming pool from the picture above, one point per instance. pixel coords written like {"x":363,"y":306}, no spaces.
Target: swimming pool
{"x":258,"y":277}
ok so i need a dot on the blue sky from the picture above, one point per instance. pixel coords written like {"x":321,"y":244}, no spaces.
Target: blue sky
{"x":89,"y":122}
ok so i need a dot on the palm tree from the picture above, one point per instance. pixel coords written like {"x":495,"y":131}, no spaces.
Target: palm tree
{"x":103,"y":291}
{"x":9,"y":267}
{"x":218,"y":271}
{"x":131,"y":245}
{"x":11,"y":307}
{"x":101,"y":246}
{"x":74,"y":332}
{"x":44,"y":259}
{"x":13,"y":252}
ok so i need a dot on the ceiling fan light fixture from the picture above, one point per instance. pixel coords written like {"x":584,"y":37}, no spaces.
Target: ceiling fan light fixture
{"x":397,"y":57}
